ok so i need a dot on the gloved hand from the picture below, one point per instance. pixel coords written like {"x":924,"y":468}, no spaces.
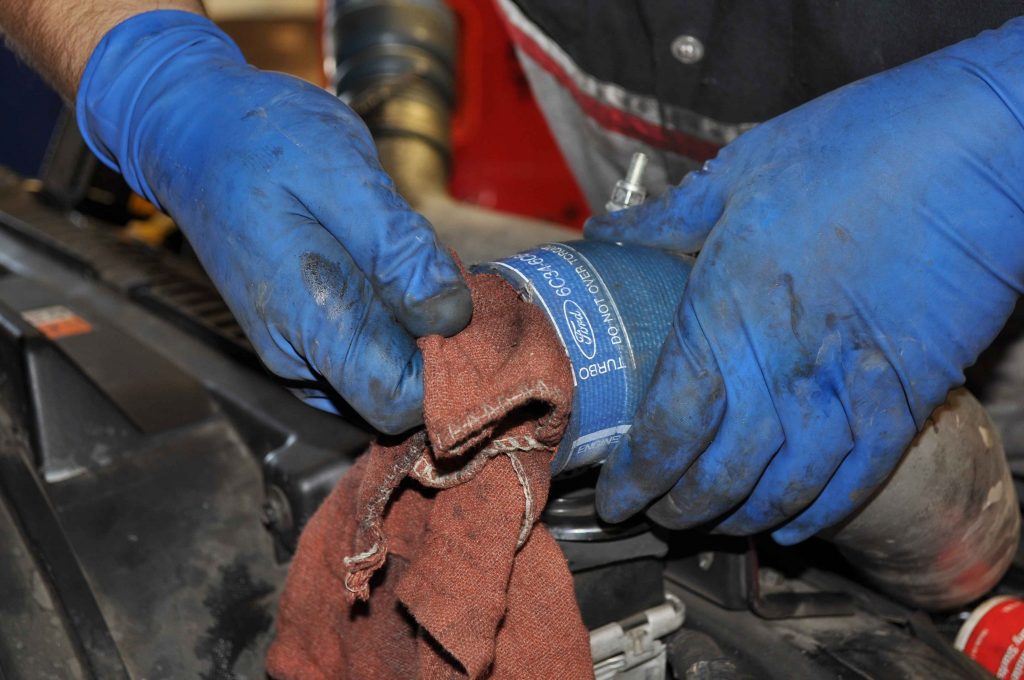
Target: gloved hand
{"x":856,"y":254}
{"x":277,"y":185}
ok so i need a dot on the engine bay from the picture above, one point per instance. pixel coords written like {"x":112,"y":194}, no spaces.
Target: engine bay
{"x":154,"y":479}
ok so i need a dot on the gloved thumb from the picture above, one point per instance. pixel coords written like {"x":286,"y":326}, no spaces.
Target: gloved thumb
{"x":679,"y":219}
{"x":398,"y":251}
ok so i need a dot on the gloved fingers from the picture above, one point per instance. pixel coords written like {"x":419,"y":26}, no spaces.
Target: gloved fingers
{"x":274,"y":348}
{"x":750,"y":434}
{"x":677,"y":418}
{"x":357,"y":346}
{"x":679,"y":219}
{"x":395,"y":247}
{"x":318,"y":308}
{"x":726,"y":472}
{"x":882,"y":426}
{"x":818,"y":438}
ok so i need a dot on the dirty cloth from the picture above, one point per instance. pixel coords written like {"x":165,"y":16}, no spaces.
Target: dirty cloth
{"x":427,"y":560}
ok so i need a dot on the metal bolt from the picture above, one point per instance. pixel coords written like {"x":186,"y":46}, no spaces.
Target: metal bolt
{"x":687,"y":49}
{"x":269,"y":515}
{"x":637,"y":165}
{"x":705,"y":560}
{"x":629,"y":190}
{"x":276,"y":514}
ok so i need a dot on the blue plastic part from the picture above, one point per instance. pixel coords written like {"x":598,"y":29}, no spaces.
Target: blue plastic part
{"x":612,"y":306}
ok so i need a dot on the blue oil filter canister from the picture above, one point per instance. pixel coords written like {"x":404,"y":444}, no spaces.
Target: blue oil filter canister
{"x":612,"y":306}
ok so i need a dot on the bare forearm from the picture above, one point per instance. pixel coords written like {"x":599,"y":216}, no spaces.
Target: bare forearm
{"x":57,"y":36}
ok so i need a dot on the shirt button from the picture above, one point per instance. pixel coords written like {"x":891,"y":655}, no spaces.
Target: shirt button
{"x":687,"y":49}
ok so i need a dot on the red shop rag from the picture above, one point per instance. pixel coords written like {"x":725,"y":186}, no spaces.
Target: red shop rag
{"x":427,"y":559}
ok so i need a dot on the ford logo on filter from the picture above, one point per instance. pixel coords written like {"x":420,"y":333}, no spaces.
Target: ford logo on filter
{"x":580,"y":329}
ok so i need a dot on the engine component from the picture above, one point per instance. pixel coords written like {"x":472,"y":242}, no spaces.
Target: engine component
{"x":161,"y":549}
{"x":611,"y":306}
{"x":393,"y":63}
{"x":629,"y":190}
{"x":695,"y":656}
{"x":728,"y":573}
{"x":633,"y":649}
{"x":943,"y":530}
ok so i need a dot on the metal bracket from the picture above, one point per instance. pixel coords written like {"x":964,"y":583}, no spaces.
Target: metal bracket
{"x":729,"y":576}
{"x":632,"y":649}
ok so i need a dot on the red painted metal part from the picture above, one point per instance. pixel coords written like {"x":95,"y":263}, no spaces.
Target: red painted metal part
{"x":503,"y":154}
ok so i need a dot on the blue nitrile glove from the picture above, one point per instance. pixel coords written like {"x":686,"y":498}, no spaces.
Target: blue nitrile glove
{"x":857,"y":253}
{"x":277,"y":185}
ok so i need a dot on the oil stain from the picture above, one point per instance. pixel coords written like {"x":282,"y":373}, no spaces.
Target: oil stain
{"x":240,"y":612}
{"x":326,"y":283}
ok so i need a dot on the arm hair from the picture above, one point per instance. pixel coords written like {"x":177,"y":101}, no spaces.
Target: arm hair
{"x":57,"y":36}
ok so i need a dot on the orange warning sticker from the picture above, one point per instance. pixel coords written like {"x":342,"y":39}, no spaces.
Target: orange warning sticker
{"x":57,"y":321}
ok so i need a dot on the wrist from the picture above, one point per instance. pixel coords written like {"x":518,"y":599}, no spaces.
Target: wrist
{"x":138,"y":60}
{"x":992,"y":65}
{"x":994,"y":59}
